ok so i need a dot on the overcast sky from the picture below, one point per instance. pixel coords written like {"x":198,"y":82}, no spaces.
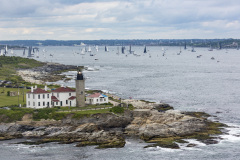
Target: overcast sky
{"x":122,"y":19}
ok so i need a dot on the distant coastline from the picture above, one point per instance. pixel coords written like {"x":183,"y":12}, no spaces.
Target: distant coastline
{"x":225,"y":43}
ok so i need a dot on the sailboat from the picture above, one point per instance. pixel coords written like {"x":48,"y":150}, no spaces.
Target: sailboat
{"x":117,"y":50}
{"x":106,"y":49}
{"x":210,"y":48}
{"x":123,"y":48}
{"x":24,"y":52}
{"x":30,"y":52}
{"x":12,"y":52}
{"x":219,"y":46}
{"x":82,"y":52}
{"x":6,"y":50}
{"x":145,"y":50}
{"x":89,"y":49}
{"x":185,"y":45}
{"x":97,"y":48}
{"x":193,"y":49}
{"x":179,"y":52}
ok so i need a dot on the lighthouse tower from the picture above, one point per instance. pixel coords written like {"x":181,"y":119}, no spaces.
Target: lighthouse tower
{"x":80,"y":90}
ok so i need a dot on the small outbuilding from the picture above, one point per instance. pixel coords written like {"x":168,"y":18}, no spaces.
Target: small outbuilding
{"x":97,"y":98}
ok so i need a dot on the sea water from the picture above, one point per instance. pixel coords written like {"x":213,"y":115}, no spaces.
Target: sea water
{"x":184,"y":81}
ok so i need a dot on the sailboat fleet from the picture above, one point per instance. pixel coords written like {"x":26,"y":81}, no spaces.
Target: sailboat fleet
{"x":91,"y":50}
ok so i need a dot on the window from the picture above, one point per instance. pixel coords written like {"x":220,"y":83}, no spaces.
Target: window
{"x":33,"y":96}
{"x":43,"y":103}
{"x":33,"y":103}
{"x":81,"y":92}
{"x":47,"y":95}
{"x":39,"y":104}
{"x":39,"y":96}
{"x":43,"y":96}
{"x":57,"y":94}
{"x":28,"y":95}
{"x":104,"y":99}
{"x":66,"y":101}
{"x":56,"y":103}
{"x":70,"y":94}
{"x":29,"y":103}
{"x":97,"y":100}
{"x":48,"y":104}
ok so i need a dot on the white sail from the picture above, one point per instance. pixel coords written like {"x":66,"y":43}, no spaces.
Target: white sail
{"x":89,"y":49}
{"x":12,"y":51}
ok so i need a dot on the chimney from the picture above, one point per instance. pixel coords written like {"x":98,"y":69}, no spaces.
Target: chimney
{"x":31,"y":88}
{"x":45,"y":88}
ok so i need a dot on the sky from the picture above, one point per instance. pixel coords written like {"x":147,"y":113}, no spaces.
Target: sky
{"x":118,"y":19}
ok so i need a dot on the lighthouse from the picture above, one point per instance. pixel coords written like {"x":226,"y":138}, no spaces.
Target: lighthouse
{"x":80,"y":90}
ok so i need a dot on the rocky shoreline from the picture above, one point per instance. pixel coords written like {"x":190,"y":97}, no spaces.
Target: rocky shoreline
{"x":106,"y":130}
{"x":49,"y":72}
{"x":157,"y":124}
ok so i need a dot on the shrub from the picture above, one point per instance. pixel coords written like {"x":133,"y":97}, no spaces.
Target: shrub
{"x":117,"y":109}
{"x":45,"y":113}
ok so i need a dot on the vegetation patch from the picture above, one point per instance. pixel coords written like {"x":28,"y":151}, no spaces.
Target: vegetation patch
{"x":117,"y":109}
{"x":146,"y":101}
{"x":163,"y":107}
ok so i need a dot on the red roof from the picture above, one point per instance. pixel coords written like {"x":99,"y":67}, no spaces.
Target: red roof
{"x":63,"y":89}
{"x":54,"y":99}
{"x":94,"y":95}
{"x":72,"y":98}
{"x":38,"y":90}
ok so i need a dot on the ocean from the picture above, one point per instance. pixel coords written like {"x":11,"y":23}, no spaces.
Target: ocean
{"x":184,"y":81}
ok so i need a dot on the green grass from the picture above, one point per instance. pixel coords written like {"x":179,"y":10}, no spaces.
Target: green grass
{"x":88,"y":113}
{"x":9,"y":65}
{"x":8,"y":100}
{"x":15,"y":114}
{"x":84,"y":108}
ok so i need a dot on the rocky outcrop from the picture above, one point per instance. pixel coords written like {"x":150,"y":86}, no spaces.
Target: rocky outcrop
{"x":109,"y":130}
{"x":152,"y":124}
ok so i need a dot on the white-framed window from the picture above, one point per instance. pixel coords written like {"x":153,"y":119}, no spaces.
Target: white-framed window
{"x":39,"y":104}
{"x":33,"y":96}
{"x":28,"y":95}
{"x":70,"y":94}
{"x":39,"y":96}
{"x":47,"y":95}
{"x":66,"y":101}
{"x":43,"y":96}
{"x":43,"y":103}
{"x":29,"y":103}
{"x":33,"y":103}
{"x":57,"y":94}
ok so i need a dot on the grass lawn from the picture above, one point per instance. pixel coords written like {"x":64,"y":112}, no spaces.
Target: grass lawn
{"x":12,"y":100}
{"x":84,"y":108}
